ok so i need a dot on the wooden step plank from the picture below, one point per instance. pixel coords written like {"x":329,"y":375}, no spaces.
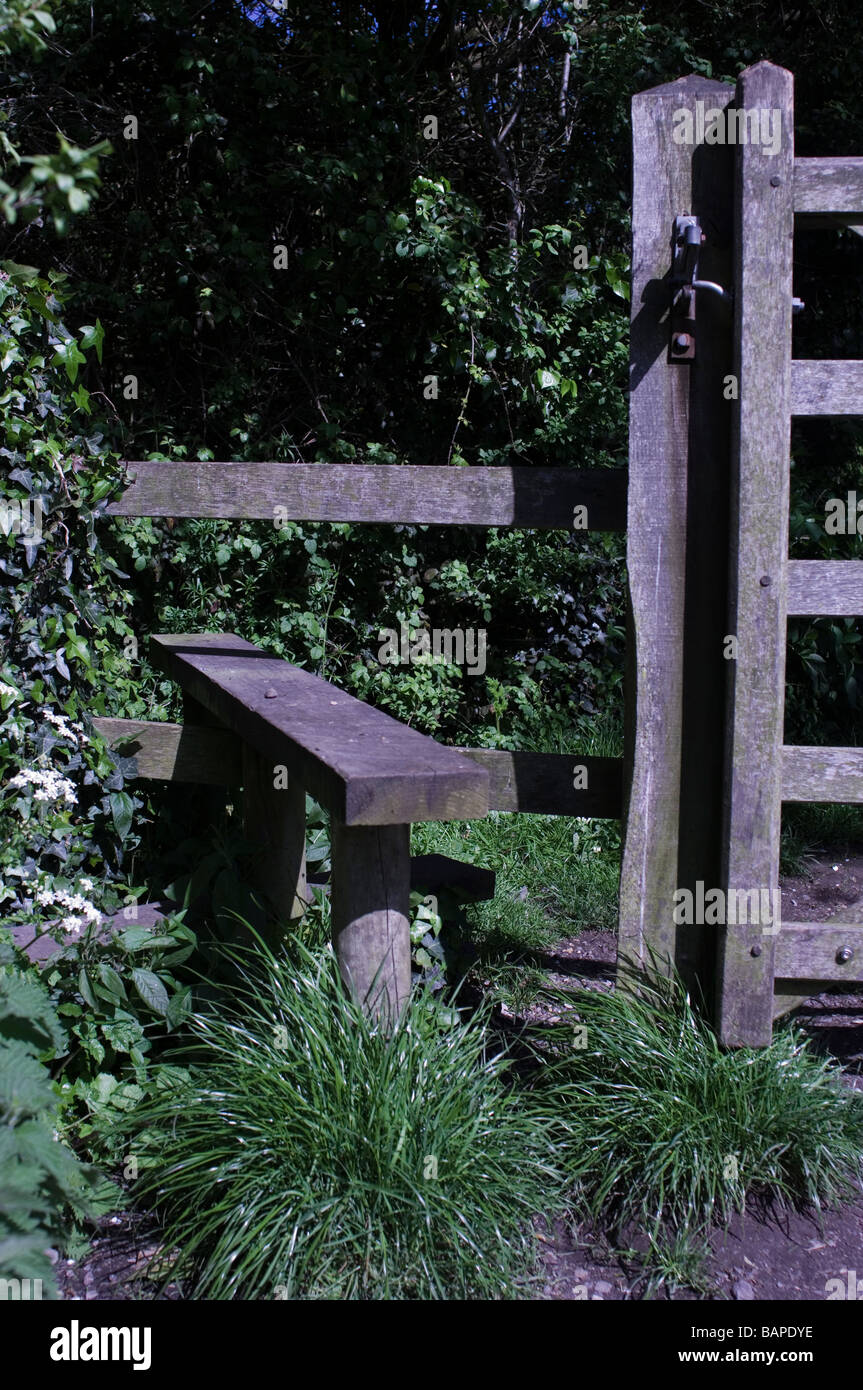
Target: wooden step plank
{"x":829,"y":185}
{"x":824,"y":951}
{"x":822,"y":774}
{"x":825,"y":588}
{"x":544,"y":498}
{"x":760,"y":503}
{"x":539,"y":783}
{"x":363,"y":765}
{"x":828,"y":387}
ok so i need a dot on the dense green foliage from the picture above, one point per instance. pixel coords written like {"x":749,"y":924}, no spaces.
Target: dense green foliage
{"x":40,"y":1177}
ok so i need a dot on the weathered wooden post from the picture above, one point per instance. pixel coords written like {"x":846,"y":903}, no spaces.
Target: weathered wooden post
{"x":759,"y":549}
{"x":677,"y":532}
{"x":370,"y":915}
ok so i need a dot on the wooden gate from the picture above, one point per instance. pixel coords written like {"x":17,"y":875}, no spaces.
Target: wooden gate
{"x":713,"y":395}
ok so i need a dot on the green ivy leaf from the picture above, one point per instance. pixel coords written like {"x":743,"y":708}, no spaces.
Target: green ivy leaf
{"x":92,"y":336}
{"x":122,"y":808}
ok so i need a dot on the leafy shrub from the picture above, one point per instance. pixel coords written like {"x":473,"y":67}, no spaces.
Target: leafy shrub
{"x":65,"y":816}
{"x":41,"y":1180}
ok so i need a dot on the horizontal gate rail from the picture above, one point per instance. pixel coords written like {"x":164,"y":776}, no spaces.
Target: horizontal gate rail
{"x":822,"y":774}
{"x":433,"y":495}
{"x":825,"y":588}
{"x":829,"y":185}
{"x":831,"y":952}
{"x":827,"y":387}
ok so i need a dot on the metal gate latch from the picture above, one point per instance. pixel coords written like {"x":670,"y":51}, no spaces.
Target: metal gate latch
{"x":686,"y":242}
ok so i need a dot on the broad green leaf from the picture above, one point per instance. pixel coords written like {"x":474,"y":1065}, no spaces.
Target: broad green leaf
{"x":151,"y":990}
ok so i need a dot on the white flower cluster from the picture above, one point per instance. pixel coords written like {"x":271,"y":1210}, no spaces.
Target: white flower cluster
{"x":81,"y":912}
{"x":50,"y":786}
{"x":64,"y":727}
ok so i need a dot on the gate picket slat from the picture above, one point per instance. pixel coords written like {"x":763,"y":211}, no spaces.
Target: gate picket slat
{"x":759,"y":500}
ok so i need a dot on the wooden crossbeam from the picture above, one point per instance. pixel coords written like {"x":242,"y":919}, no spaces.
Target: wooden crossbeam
{"x":827,"y":387}
{"x":825,"y":588}
{"x":539,"y":783}
{"x":177,"y":752}
{"x":822,"y":774}
{"x":363,"y":765}
{"x":552,"y":784}
{"x":544,"y":498}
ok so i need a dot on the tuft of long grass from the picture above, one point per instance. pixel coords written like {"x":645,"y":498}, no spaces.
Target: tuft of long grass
{"x":313,"y":1157}
{"x":670,"y":1132}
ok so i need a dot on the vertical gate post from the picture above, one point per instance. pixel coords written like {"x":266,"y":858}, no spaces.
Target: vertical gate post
{"x":371,"y":914}
{"x":759,"y":550}
{"x":677,"y":537}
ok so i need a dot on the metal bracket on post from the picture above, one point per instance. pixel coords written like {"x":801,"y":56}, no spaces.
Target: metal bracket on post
{"x":685,"y":245}
{"x":686,"y":242}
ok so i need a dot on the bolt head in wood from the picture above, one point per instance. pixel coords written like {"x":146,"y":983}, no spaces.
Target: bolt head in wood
{"x":843,"y":955}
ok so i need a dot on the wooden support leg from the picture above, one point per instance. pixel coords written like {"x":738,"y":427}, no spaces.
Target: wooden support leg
{"x":274,"y":820}
{"x":215,"y":798}
{"x":370,"y":907}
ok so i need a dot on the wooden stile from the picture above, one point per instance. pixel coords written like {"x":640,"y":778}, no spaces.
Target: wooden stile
{"x":705,"y":506}
{"x":364,"y":766}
